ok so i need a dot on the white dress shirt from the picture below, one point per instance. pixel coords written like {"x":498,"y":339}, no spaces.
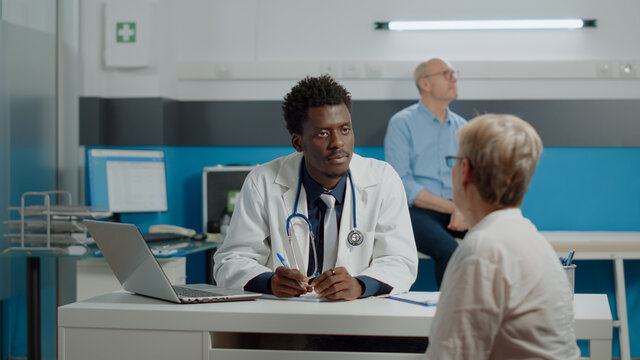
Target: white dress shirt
{"x":504,"y":296}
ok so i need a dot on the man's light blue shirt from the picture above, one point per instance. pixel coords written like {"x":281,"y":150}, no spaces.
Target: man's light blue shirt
{"x":415,"y":145}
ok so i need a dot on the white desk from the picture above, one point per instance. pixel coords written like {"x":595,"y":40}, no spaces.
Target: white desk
{"x":603,"y":245}
{"x":125,"y":326}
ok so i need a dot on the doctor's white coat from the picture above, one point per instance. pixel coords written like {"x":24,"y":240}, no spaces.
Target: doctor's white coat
{"x":258,"y":226}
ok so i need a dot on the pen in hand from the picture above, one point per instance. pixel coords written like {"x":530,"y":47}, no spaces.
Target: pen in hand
{"x":284,"y":263}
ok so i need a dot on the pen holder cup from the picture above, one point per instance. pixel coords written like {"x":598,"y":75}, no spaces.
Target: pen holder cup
{"x":570,"y":271}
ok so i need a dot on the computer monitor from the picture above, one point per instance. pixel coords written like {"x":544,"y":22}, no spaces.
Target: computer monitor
{"x":221,"y":186}
{"x":127,"y":181}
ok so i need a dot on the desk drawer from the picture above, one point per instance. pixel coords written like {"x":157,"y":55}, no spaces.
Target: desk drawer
{"x":109,"y":344}
{"x":241,"y":354}
{"x":265,"y":346}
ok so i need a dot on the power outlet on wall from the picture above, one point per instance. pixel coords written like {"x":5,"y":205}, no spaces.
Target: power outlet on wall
{"x":352,"y":70}
{"x":373,"y":70}
{"x":223,"y":71}
{"x":330,"y":68}
{"x":604,"y":70}
{"x":628,"y":69}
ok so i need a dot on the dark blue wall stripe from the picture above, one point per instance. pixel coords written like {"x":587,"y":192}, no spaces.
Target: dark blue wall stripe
{"x":158,"y":121}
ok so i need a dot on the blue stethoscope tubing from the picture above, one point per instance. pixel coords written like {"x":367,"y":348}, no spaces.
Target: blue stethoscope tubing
{"x":354,"y":238}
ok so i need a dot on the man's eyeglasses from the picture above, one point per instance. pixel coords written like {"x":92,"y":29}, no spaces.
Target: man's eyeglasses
{"x":451,"y":160}
{"x":448,"y":74}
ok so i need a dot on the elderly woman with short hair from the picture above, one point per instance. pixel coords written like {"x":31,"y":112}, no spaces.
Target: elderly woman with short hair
{"x":504,"y":294}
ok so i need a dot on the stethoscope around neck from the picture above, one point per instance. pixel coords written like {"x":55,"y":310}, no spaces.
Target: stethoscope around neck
{"x":354,"y":238}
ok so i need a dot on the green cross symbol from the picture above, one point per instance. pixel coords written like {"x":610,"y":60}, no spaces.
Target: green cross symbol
{"x":126,"y":32}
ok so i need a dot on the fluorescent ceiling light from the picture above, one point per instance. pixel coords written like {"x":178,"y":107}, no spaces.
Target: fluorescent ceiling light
{"x":527,"y":24}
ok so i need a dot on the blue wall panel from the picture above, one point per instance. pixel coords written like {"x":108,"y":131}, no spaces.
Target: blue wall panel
{"x":585,"y":189}
{"x":184,"y":178}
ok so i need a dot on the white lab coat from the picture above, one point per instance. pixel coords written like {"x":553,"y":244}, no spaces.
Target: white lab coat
{"x":258,"y":226}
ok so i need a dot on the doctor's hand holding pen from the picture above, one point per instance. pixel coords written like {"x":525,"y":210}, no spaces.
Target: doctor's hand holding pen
{"x":288,"y":282}
{"x":337,"y":284}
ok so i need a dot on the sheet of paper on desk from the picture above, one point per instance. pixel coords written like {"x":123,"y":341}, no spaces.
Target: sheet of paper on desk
{"x":311,"y":297}
{"x":425,"y":298}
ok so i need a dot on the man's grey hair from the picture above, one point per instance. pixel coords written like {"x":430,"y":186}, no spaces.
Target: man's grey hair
{"x":421,"y":71}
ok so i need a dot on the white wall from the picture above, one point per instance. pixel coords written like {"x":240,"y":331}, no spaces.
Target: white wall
{"x":32,"y":14}
{"x":251,"y":49}
{"x":68,"y":88}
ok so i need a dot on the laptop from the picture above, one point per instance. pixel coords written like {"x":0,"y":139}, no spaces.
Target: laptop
{"x":139,"y":272}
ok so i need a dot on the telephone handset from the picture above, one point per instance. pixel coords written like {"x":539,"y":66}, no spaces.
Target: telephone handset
{"x":173,"y":229}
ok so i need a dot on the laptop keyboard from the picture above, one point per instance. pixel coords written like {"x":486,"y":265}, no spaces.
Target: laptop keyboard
{"x":188,"y":292}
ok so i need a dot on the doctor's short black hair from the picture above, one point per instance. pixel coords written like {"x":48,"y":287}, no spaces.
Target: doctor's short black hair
{"x":312,"y":92}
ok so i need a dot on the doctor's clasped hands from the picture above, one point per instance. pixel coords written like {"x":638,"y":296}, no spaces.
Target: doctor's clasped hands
{"x":332,"y":284}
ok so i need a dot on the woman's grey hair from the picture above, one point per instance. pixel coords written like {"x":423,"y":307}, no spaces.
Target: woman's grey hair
{"x":503,"y":151}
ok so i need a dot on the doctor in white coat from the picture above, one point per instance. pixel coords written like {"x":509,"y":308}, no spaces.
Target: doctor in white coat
{"x":318,"y":116}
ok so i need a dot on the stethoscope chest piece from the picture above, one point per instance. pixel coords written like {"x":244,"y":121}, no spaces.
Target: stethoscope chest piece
{"x":355,"y":237}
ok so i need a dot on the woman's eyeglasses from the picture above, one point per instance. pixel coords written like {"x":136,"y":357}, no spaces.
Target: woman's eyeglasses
{"x":450,"y":160}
